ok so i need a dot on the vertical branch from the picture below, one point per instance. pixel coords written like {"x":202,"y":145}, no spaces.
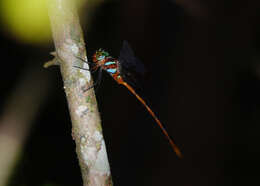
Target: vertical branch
{"x":86,"y":124}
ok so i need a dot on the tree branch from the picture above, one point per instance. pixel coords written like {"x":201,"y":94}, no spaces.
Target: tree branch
{"x":86,"y":124}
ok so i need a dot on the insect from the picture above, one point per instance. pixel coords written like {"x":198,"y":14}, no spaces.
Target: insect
{"x":116,"y":68}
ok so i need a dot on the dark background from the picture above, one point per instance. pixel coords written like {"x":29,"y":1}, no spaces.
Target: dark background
{"x":202,"y":61}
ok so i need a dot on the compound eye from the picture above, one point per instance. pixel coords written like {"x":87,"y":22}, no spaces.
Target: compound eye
{"x":101,"y":58}
{"x":105,"y":53}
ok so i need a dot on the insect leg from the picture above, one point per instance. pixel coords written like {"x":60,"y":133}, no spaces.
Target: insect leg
{"x":97,"y":83}
{"x":82,"y":68}
{"x":84,"y":61}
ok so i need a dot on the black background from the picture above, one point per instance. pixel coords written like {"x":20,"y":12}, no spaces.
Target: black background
{"x":202,"y":59}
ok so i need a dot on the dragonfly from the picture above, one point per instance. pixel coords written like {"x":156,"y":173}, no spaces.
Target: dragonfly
{"x":118,"y":69}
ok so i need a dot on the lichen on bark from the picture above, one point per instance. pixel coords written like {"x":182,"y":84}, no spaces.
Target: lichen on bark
{"x":86,"y":123}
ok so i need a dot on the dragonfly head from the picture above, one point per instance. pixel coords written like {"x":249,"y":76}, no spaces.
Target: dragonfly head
{"x":100,"y":55}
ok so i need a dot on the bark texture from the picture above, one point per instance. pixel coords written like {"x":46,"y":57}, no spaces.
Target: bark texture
{"x":86,"y":123}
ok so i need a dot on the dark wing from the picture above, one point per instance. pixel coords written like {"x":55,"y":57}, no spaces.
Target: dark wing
{"x":128,"y":60}
{"x":131,"y":68}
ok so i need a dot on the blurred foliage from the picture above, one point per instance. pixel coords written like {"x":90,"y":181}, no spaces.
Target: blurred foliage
{"x":26,"y":20}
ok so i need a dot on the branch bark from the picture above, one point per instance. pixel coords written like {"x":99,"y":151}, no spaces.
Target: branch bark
{"x":86,"y":123}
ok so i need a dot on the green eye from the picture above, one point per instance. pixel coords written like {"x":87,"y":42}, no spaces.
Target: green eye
{"x":101,"y":54}
{"x":105,"y":53}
